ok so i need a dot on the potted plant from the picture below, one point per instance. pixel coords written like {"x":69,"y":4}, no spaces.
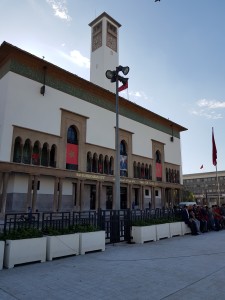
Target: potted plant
{"x":91,"y":238}
{"x":176,"y":227}
{"x":61,"y":243}
{"x":143,"y":231}
{"x":24,"y":245}
{"x":2,"y":247}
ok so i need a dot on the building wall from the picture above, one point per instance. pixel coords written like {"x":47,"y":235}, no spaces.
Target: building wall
{"x":26,"y":107}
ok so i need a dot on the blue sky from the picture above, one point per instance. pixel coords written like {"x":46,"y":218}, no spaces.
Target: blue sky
{"x":175,"y":50}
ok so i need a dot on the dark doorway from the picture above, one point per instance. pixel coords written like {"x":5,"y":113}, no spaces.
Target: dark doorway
{"x":92,"y":196}
{"x":109,"y":197}
{"x":123,"y":198}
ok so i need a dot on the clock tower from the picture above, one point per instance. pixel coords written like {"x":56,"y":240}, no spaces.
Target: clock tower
{"x":104,"y":50}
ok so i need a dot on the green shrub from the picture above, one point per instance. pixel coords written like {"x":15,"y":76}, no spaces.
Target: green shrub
{"x":85,"y":228}
{"x":155,"y":221}
{"x":21,"y":233}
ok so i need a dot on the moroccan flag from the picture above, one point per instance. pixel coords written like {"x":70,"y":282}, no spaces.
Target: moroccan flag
{"x":158,"y":170}
{"x":214,"y":150}
{"x":123,"y":87}
{"x":72,"y":154}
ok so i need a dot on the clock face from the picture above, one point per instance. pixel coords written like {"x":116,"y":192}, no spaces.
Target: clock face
{"x":96,"y":41}
{"x":111,"y":42}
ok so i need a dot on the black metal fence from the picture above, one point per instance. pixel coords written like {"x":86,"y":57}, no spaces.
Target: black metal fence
{"x":116,"y":223}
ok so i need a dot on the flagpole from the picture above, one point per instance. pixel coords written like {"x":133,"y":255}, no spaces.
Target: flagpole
{"x":214,"y":159}
{"x":218,"y":187}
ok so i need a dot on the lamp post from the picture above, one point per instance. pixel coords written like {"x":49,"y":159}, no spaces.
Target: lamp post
{"x":115,"y":77}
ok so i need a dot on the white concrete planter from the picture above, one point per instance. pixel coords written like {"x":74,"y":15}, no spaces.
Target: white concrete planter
{"x":162,"y":231}
{"x":185,"y":228}
{"x":2,"y":247}
{"x":92,"y":241}
{"x":24,"y":251}
{"x":62,"y":245}
{"x":142,"y":234}
{"x":175,"y":229}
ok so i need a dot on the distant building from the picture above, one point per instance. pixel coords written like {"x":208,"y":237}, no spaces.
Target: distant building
{"x":205,"y":187}
{"x":57,"y":136}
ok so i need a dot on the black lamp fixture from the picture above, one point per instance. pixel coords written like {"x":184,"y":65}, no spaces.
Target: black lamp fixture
{"x":42,"y":90}
{"x":171,"y":138}
{"x":115,"y":77}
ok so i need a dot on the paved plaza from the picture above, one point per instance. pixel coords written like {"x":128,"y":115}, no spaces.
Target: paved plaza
{"x":186,"y":267}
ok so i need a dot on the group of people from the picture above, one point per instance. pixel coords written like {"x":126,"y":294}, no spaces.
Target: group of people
{"x":201,"y":219}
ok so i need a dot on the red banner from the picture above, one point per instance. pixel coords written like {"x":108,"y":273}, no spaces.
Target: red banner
{"x":158,"y":170}
{"x":214,"y":150}
{"x":72,"y":154}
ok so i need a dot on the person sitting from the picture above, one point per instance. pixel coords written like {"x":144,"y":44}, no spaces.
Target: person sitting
{"x":194,"y":220}
{"x":218,"y":218}
{"x":210,"y":218}
{"x":186,"y":218}
{"x":202,"y":219}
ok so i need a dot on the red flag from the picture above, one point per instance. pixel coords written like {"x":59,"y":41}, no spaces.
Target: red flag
{"x":201,"y":167}
{"x":214,"y":150}
{"x":123,"y":87}
{"x":72,"y":154}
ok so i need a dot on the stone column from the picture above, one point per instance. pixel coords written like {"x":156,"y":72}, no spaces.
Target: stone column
{"x":81,"y":195}
{"x":78,"y":195}
{"x":60,"y":195}
{"x":34,"y":199}
{"x":163,"y":199}
{"x":129,"y":205}
{"x":4,"y":192}
{"x":97,"y":195}
{"x":100,"y":195}
{"x":29,"y":192}
{"x":153,"y":197}
{"x":55,"y":198}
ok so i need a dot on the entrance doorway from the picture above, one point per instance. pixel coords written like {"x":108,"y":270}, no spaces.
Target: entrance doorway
{"x":123,"y":198}
{"x":92,"y":196}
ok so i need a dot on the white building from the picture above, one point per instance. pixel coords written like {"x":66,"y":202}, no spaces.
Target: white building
{"x":57,"y":136}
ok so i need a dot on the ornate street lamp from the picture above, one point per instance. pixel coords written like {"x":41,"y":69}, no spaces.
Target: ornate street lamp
{"x":115,"y":77}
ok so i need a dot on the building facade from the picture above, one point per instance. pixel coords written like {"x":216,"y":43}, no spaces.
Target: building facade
{"x":57,"y":140}
{"x":208,"y":188}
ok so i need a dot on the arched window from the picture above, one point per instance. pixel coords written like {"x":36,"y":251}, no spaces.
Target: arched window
{"x":150,"y":172}
{"x":95,"y":163}
{"x":123,"y":159}
{"x":52,"y":162}
{"x":89,"y":162}
{"x":178,"y":177}
{"x":139,"y":170}
{"x":72,"y":149}
{"x":36,"y":154}
{"x":135,"y":169}
{"x":158,"y":166}
{"x":142,"y":171}
{"x":44,"y":155}
{"x":100,"y":164}
{"x":146,"y":172}
{"x":17,"y":153}
{"x":111,"y":166}
{"x":27,"y":152}
{"x":158,"y":156}
{"x":167,"y":175}
{"x":106,"y":165}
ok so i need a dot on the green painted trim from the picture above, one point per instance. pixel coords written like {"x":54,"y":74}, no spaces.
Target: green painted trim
{"x":74,"y":91}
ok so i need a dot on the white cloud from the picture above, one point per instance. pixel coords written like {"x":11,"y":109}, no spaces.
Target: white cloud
{"x":60,"y":9}
{"x":79,"y":59}
{"x":210,"y":104}
{"x":207,"y":109}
